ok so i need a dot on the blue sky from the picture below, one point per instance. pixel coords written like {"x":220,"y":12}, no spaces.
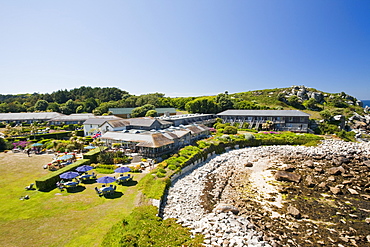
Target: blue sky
{"x":185,"y":48}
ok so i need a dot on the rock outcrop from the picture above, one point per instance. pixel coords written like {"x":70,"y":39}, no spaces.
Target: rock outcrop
{"x":232,"y":204}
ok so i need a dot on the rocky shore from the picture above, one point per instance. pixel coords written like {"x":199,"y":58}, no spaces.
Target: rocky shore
{"x":278,"y":196}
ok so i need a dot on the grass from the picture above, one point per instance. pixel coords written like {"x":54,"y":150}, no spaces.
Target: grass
{"x":55,"y":218}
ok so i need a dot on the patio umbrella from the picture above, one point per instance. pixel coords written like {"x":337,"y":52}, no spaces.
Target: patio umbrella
{"x":69,"y":175}
{"x":89,"y":147}
{"x":84,"y":168}
{"x":122,"y":169}
{"x":37,"y":145}
{"x":66,"y":157}
{"x":106,"y":180}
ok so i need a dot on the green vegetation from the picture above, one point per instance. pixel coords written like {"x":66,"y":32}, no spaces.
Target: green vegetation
{"x":55,"y":218}
{"x":143,"y":228}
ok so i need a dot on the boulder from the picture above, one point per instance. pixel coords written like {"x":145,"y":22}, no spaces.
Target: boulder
{"x":248,"y":164}
{"x":287,"y":176}
{"x":352,"y":191}
{"x":223,"y":208}
{"x":309,"y":164}
{"x":309,"y":181}
{"x":335,"y":190}
{"x":294,"y":212}
{"x":288,"y":168}
{"x":335,"y":170}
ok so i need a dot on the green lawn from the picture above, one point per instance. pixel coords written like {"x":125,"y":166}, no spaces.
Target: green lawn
{"x":55,"y":218}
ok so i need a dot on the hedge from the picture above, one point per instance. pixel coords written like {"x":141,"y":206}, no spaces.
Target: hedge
{"x":56,"y":135}
{"x":92,"y":155}
{"x":49,"y":181}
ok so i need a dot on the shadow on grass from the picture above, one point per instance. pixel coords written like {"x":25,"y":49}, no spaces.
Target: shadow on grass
{"x":116,"y":194}
{"x":91,"y":181}
{"x":76,"y":189}
{"x":129,"y":183}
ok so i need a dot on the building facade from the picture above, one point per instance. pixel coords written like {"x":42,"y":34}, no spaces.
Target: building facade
{"x":281,"y":120}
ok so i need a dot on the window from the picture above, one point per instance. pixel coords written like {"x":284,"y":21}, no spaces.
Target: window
{"x":291,"y":119}
{"x":301,"y":119}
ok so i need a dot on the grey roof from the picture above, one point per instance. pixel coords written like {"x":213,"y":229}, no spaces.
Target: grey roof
{"x":146,"y":121}
{"x":118,"y":123}
{"x":98,"y":120}
{"x":74,"y":117}
{"x":145,"y":139}
{"x":264,"y":113}
{"x":24,"y":116}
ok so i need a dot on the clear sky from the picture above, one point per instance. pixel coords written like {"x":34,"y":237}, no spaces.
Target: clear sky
{"x":185,"y":47}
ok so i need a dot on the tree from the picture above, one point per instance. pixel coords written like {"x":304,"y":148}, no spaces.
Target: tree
{"x":69,"y":107}
{"x":325,"y":114}
{"x":54,"y":107}
{"x":202,"y":105}
{"x":41,"y":105}
{"x":224,"y":102}
{"x":142,"y":110}
{"x":151,"y":113}
{"x":294,"y":101}
{"x":310,"y":104}
{"x":230,"y":130}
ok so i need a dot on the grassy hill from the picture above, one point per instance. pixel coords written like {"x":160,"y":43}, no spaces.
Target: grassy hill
{"x":298,"y":98}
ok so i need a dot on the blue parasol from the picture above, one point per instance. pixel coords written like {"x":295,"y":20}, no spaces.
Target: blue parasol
{"x":37,"y":145}
{"x":89,"y":147}
{"x":66,"y":157}
{"x":69,"y":175}
{"x":122,"y":169}
{"x":84,"y":168}
{"x":106,"y":180}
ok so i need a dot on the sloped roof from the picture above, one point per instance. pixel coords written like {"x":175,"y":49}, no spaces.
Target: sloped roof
{"x":264,"y":113}
{"x":145,"y":139}
{"x":73,"y":117}
{"x":98,"y":120}
{"x":195,"y":129}
{"x":24,"y":116}
{"x":158,"y":140}
{"x":118,"y":123}
{"x":146,"y":121}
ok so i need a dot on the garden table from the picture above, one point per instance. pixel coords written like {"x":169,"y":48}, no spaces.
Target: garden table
{"x":70,"y":184}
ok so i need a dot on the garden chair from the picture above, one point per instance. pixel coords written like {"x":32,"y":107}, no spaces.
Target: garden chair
{"x":98,"y":191}
{"x":30,"y":187}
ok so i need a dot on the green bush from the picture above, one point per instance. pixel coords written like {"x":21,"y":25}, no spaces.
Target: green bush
{"x":160,"y":174}
{"x":153,"y":187}
{"x":143,"y":228}
{"x":172,"y":167}
{"x":93,"y":154}
{"x":161,"y":170}
{"x":249,"y":136}
{"x":230,"y":130}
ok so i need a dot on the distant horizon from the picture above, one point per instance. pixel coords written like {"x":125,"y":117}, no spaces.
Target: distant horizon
{"x":185,"y":48}
{"x":173,"y":96}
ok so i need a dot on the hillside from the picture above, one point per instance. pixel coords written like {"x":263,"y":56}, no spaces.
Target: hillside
{"x":309,"y":100}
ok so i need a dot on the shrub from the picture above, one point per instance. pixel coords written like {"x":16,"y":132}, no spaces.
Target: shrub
{"x":153,"y":187}
{"x":160,"y":174}
{"x":161,"y":170}
{"x":230,"y":130}
{"x":249,"y":136}
{"x":143,"y":228}
{"x":172,"y":167}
